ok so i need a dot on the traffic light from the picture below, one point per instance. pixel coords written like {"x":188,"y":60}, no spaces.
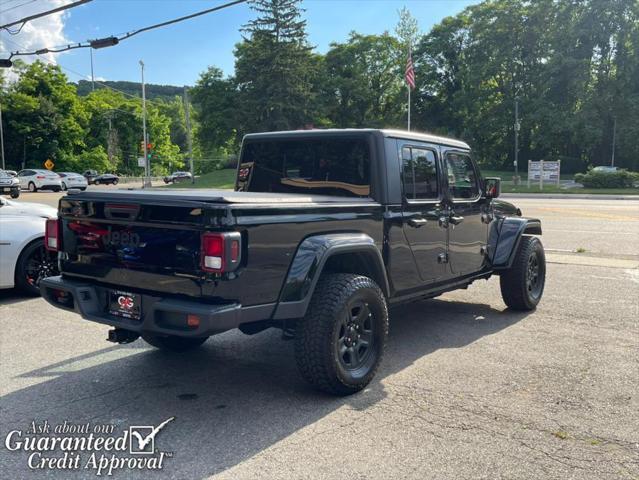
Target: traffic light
{"x":149,"y":150}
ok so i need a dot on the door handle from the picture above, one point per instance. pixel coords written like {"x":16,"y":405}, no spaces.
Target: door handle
{"x":417,"y":222}
{"x":455,"y":220}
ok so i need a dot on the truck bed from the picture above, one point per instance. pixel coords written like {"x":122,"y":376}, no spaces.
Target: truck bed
{"x":142,"y":240}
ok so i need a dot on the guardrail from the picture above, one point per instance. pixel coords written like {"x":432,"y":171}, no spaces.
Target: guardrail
{"x":139,"y":180}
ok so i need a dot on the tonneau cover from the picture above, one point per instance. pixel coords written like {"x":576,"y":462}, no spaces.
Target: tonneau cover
{"x":213,"y":196}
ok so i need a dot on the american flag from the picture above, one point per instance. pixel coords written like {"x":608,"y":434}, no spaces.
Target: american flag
{"x":409,"y":75}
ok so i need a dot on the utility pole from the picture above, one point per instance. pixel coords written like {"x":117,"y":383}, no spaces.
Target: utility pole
{"x":92,"y":77}
{"x":189,"y":142}
{"x":147,"y":166}
{"x":614,"y":140}
{"x":1,"y":137}
{"x":517,"y":127}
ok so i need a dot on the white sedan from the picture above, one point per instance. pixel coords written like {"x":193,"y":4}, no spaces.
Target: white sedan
{"x":36,"y":179}
{"x":73,"y":180}
{"x":24,"y":261}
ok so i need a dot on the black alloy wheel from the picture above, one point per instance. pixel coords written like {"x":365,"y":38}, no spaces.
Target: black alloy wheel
{"x":34,"y":264}
{"x":355,"y":341}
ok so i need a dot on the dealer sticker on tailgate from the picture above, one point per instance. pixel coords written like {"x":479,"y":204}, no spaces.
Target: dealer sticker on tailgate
{"x":125,"y":304}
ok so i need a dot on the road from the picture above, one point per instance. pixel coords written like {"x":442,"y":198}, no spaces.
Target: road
{"x":468,"y":389}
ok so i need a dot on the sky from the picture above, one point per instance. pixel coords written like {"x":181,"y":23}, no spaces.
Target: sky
{"x":177,"y":54}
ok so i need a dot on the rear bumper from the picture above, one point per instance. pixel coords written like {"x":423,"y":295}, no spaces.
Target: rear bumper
{"x":164,"y":316}
{"x":49,"y":186}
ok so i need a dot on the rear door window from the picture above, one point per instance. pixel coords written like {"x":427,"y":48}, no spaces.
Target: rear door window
{"x":419,"y":173}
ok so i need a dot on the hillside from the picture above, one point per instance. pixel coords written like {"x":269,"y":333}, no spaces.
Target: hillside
{"x":153,"y":91}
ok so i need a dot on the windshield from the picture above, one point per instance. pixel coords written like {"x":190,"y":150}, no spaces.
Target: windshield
{"x":323,"y":166}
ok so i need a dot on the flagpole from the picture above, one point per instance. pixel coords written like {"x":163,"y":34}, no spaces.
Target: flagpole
{"x":409,"y":108}
{"x":408,"y":86}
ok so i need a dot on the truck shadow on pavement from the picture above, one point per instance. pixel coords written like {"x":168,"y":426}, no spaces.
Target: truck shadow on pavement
{"x":232,"y":399}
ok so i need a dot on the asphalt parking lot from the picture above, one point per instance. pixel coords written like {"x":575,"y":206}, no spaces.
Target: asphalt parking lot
{"x":468,"y":389}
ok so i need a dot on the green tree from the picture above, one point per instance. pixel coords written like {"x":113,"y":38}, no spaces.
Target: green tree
{"x":365,"y":81}
{"x":274,"y":70}
{"x":215,"y":100}
{"x":44,"y":117}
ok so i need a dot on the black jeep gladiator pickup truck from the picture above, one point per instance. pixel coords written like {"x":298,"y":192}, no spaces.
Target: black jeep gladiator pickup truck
{"x":325,"y":230}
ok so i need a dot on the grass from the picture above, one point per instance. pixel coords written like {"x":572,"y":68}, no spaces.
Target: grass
{"x":580,"y":250}
{"x":506,"y":188}
{"x":217,"y":179}
{"x":508,"y":175}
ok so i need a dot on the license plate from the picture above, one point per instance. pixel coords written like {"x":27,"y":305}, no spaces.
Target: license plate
{"x":125,"y":304}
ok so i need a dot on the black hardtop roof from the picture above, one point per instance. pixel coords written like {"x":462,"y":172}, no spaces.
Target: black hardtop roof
{"x":417,"y":136}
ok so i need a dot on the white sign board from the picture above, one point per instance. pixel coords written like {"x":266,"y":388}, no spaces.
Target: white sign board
{"x":544,"y":171}
{"x":141,"y":162}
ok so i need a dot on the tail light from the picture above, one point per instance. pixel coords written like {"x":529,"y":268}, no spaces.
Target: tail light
{"x":40,"y":177}
{"x":52,"y":235}
{"x":220,"y":252}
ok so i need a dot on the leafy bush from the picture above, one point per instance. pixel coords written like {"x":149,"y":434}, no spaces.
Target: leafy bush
{"x":619,"y":179}
{"x":94,"y":159}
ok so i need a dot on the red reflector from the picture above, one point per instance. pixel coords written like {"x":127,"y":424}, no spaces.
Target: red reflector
{"x":192,"y":320}
{"x":235,"y":250}
{"x":51,"y":235}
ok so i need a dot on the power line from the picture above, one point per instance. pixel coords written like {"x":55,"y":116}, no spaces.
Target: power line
{"x":24,"y":20}
{"x":81,"y":75}
{"x":18,"y":6}
{"x":114,"y":40}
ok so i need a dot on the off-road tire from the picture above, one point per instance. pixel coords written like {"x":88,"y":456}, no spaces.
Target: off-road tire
{"x":317,"y":335}
{"x":173,"y":343}
{"x":515,"y":282}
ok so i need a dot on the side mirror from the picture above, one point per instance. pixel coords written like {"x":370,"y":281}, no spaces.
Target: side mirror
{"x":492,"y":187}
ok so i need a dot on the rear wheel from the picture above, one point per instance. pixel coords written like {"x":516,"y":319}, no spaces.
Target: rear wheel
{"x":522,"y":285}
{"x":96,"y":182}
{"x":34,"y":264}
{"x":115,"y":182}
{"x":32,"y":187}
{"x":340,"y":342}
{"x":173,"y":343}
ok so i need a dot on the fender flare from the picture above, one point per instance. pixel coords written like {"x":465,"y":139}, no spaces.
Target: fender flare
{"x":309,"y":262}
{"x":504,"y":238}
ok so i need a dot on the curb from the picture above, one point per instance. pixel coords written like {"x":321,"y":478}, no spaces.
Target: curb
{"x":582,"y":196}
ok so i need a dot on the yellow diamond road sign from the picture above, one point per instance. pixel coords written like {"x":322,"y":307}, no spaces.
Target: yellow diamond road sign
{"x":49,"y":164}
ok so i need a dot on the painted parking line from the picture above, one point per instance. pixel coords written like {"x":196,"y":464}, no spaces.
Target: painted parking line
{"x":591,"y":261}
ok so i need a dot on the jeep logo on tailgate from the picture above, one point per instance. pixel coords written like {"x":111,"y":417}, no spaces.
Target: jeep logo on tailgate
{"x":123,"y":239}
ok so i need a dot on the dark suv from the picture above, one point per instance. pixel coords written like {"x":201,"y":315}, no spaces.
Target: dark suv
{"x":325,"y":230}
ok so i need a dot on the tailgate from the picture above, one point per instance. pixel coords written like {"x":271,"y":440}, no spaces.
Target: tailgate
{"x":137,"y":245}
